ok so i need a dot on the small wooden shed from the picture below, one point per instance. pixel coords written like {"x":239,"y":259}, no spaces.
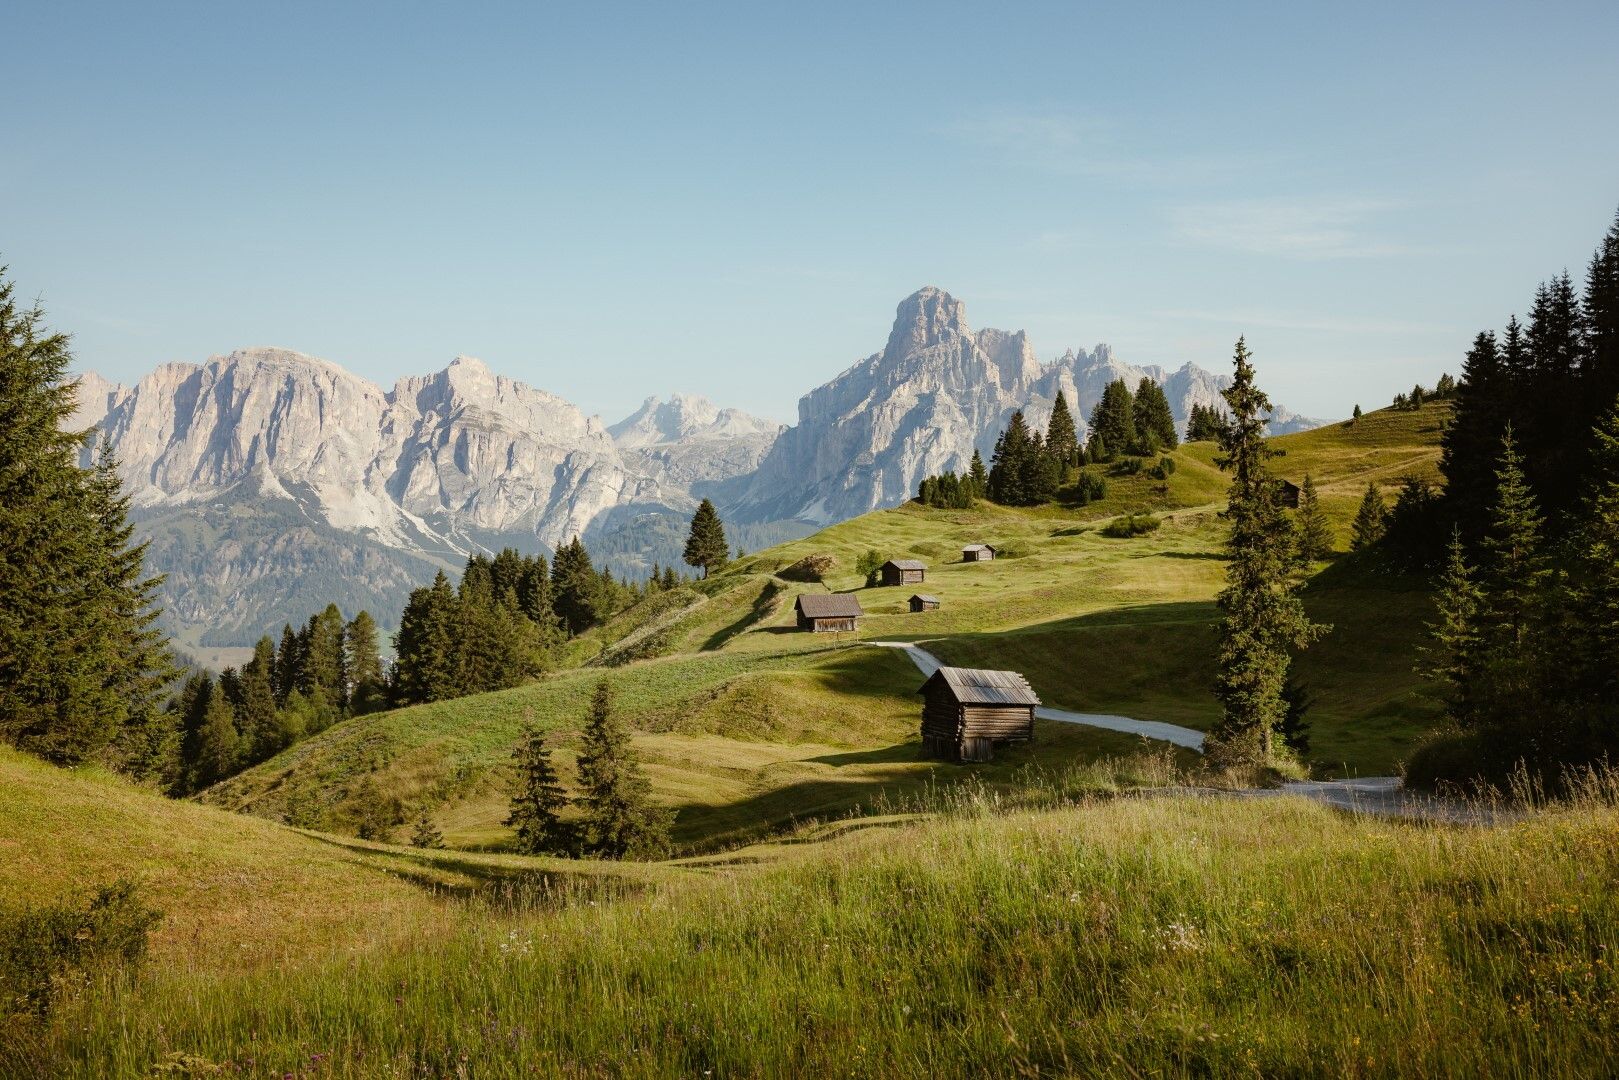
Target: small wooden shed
{"x":825,"y":614}
{"x":977,"y":553}
{"x":1290,"y":495}
{"x":904,"y":572}
{"x":922,"y":602}
{"x":966,"y":711}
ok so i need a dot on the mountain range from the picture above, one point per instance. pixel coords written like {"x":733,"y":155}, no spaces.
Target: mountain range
{"x":270,"y":483}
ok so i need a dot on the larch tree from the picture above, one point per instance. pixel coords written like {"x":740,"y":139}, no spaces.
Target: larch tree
{"x":1264,"y":620}
{"x":706,"y":545}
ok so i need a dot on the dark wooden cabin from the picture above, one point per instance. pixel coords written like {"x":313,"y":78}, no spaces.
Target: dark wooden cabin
{"x":920,"y":602}
{"x":904,"y":572}
{"x":1290,"y":495}
{"x":966,"y":711}
{"x":977,"y":553}
{"x":825,"y":614}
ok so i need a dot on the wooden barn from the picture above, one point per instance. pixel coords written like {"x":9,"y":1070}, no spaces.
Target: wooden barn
{"x":904,"y":572}
{"x":1290,"y":495}
{"x":966,"y":711}
{"x":825,"y":614}
{"x":977,"y":553}
{"x":921,"y":602}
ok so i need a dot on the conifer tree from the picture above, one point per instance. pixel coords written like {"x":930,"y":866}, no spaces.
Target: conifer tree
{"x":1062,"y":439}
{"x":427,"y":664}
{"x":1153,"y":416}
{"x":670,"y":579}
{"x":1314,"y":534}
{"x":1473,"y":436}
{"x":1009,"y":467}
{"x":1371,"y":520}
{"x":1263,"y":617}
{"x":1601,"y":309}
{"x":1113,"y":425}
{"x":425,"y":834}
{"x":1205,"y":424}
{"x":323,"y":674}
{"x":218,"y":745}
{"x":1515,"y":569}
{"x":706,"y":545}
{"x":620,"y":818}
{"x":289,"y":665}
{"x":1356,"y":415}
{"x":575,"y":588}
{"x":1593,"y":601}
{"x":368,"y":688}
{"x":1454,"y":657}
{"x":537,"y":799}
{"x":257,"y":718}
{"x":978,"y":476}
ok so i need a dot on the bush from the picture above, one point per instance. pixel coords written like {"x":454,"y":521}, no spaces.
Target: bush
{"x":1458,"y":759}
{"x":869,"y":565}
{"x":812,"y":568}
{"x":1129,"y":466}
{"x":1131,"y":525}
{"x":44,"y":951}
{"x":1011,"y":549}
{"x":1164,"y":469}
{"x":1089,"y":488}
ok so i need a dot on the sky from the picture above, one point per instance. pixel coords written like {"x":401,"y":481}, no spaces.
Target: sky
{"x":612,"y":201}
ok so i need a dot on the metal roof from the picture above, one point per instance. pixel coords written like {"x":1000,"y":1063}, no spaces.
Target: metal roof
{"x":926,"y":599}
{"x":977,"y":686}
{"x":906,"y":564}
{"x":825,"y":606}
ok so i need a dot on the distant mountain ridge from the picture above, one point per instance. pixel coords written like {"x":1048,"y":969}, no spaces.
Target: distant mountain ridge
{"x":270,"y":482}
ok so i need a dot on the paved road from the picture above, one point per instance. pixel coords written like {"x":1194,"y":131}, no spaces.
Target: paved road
{"x":927,"y":664}
{"x":1380,"y":795}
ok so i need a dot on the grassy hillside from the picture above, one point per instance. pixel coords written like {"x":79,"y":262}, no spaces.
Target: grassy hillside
{"x":749,"y":725}
{"x":1170,"y":936}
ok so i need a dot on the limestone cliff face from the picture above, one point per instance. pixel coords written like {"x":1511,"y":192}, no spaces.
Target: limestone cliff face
{"x":687,"y":442}
{"x":301,"y":454}
{"x":936,"y":392}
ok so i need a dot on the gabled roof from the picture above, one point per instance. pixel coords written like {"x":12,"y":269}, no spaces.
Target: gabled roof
{"x":905,"y":564}
{"x":978,"y":547}
{"x":833,"y":606}
{"x":925,"y":599}
{"x":977,"y":686}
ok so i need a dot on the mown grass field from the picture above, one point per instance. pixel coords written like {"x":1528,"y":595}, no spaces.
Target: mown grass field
{"x":749,"y":726}
{"x":1170,"y":936}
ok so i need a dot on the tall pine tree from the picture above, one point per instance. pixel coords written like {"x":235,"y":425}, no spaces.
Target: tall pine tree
{"x":620,"y":818}
{"x":706,"y":545}
{"x":1113,"y":423}
{"x":1264,"y":618}
{"x":1155,"y":422}
{"x":1314,"y":534}
{"x":1062,"y":439}
{"x":537,"y":798}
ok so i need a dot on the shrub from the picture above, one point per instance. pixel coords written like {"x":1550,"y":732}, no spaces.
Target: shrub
{"x":1164,"y":469}
{"x":44,"y":951}
{"x":1011,"y":549}
{"x":869,"y":565}
{"x":1089,"y":488}
{"x":813,"y":567}
{"x":1129,"y":525}
{"x":1129,"y":466}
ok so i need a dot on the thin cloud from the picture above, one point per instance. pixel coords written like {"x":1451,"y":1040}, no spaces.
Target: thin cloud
{"x":1290,"y":228}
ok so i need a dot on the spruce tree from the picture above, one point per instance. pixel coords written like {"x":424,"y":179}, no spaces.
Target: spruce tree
{"x":978,"y":476}
{"x":1593,"y":601}
{"x":1314,"y":534}
{"x":1371,"y":520}
{"x":1601,"y":309}
{"x":1153,"y":415}
{"x":257,"y":717}
{"x":324,"y":675}
{"x":1455,"y":653}
{"x":427,"y":659}
{"x":1515,"y":566}
{"x":364,"y":660}
{"x":1473,"y":436}
{"x":575,"y":588}
{"x":1009,"y":467}
{"x":1113,"y":425}
{"x":289,"y":665}
{"x":1062,"y":439}
{"x":706,"y":545}
{"x":537,"y":798}
{"x":218,"y":745}
{"x":620,"y":818}
{"x":1263,"y":617}
{"x":425,"y":834}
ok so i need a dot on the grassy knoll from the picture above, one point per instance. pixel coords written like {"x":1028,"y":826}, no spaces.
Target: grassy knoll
{"x":1167,"y":937}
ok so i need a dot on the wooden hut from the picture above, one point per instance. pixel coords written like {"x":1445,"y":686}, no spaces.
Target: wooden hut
{"x":904,"y":572}
{"x":977,"y":553}
{"x":824,"y":614}
{"x":921,"y":602}
{"x":1290,"y":495}
{"x":966,"y":711}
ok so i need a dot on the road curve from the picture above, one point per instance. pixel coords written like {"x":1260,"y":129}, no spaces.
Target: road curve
{"x":927,"y":664}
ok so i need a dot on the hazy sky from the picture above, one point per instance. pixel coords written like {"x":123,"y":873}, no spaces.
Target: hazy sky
{"x":614,"y":201}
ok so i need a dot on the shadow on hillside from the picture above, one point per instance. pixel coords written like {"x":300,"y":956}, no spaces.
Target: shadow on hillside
{"x":887,"y":755}
{"x":763,"y":606}
{"x":1208,"y":556}
{"x":512,"y":888}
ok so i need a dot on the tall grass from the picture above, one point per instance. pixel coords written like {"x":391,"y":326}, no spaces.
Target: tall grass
{"x":1132,"y":937}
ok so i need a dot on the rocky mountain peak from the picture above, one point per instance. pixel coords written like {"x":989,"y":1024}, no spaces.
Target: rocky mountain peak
{"x":927,"y":318}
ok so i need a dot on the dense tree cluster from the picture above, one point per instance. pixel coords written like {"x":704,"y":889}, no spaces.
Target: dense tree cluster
{"x":1206,"y":424}
{"x":1443,"y":390}
{"x":947,"y":491}
{"x":83,"y":669}
{"x":1140,"y":424}
{"x":321,"y":673}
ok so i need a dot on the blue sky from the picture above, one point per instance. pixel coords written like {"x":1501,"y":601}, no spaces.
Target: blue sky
{"x":611,"y":201}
